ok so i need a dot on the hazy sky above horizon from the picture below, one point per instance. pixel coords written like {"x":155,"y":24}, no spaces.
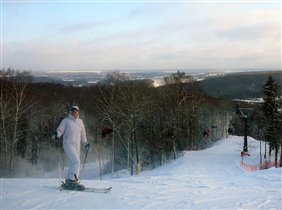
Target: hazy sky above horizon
{"x":139,"y":35}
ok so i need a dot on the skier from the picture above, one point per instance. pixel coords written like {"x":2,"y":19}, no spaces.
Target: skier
{"x":73,"y":131}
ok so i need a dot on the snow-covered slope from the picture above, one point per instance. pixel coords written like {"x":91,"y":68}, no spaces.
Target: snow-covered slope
{"x":207,"y":179}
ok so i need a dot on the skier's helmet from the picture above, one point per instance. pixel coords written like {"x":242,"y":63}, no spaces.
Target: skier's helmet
{"x":74,"y":109}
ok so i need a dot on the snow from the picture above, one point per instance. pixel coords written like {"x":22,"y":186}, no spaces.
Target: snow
{"x":208,"y":179}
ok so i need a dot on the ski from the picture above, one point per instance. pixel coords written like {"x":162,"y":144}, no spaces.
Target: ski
{"x":98,"y":190}
{"x":90,"y":189}
{"x":87,"y":189}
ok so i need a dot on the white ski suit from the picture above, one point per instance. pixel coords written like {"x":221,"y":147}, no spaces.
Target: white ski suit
{"x":73,"y":132}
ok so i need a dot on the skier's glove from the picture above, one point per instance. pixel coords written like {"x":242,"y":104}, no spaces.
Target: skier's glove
{"x":54,"y":136}
{"x":87,"y":146}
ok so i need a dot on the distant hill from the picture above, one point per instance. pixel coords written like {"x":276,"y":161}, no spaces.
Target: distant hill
{"x":243,"y":85}
{"x":240,"y":85}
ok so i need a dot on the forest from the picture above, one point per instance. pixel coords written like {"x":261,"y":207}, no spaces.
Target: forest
{"x":243,"y":85}
{"x":148,"y":125}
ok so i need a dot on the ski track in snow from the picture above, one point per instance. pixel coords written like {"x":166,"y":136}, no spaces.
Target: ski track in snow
{"x":207,"y":179}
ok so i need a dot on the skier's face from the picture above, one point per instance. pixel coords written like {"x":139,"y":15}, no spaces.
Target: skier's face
{"x":74,"y":113}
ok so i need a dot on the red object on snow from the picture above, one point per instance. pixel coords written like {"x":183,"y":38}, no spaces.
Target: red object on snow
{"x":106,"y":131}
{"x":245,"y":154}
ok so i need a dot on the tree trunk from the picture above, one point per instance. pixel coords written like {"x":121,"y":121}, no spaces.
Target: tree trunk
{"x":269,"y":153}
{"x":11,"y":160}
{"x":136,"y":148}
{"x":14,"y":141}
{"x":281,"y":156}
{"x":131,"y":150}
{"x":113,"y":152}
{"x":4,"y":137}
{"x":265,"y":145}
{"x":276,"y":156}
{"x":161,"y":140}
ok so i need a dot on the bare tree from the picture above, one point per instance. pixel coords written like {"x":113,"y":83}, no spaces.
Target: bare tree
{"x":110,"y":109}
{"x":5,"y":105}
{"x":13,"y":100}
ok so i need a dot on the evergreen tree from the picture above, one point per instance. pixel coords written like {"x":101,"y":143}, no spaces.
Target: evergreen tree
{"x":272,"y":121}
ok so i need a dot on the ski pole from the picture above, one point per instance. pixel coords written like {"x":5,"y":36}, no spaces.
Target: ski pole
{"x":84,"y":163}
{"x":56,"y":145}
{"x":100,"y":160}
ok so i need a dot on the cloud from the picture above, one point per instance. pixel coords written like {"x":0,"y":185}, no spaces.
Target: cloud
{"x":196,"y":36}
{"x":250,"y":26}
{"x":83,"y":26}
{"x":152,"y":10}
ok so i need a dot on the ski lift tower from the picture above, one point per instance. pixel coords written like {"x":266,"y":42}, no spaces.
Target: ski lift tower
{"x":245,"y":113}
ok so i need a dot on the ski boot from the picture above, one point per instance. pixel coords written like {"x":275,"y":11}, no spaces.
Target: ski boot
{"x":72,"y":185}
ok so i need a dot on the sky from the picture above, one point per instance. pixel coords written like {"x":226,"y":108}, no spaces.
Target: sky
{"x":49,"y":35}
